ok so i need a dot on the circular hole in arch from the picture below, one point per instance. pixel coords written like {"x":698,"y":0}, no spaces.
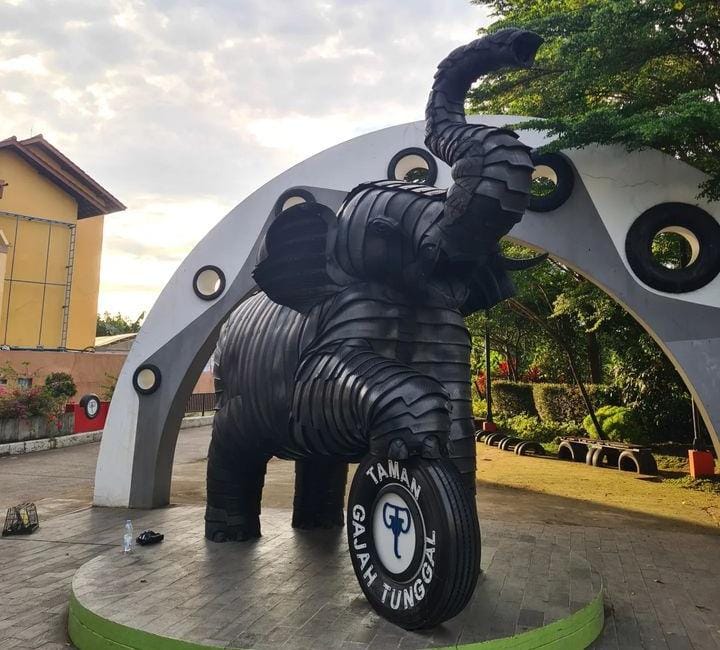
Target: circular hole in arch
{"x":675,"y":247}
{"x":291,"y":201}
{"x":413,"y":165}
{"x":544,"y":181}
{"x":209,"y":282}
{"x":146,"y":379}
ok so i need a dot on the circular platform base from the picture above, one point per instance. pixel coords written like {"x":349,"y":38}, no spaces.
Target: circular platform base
{"x":296,"y":589}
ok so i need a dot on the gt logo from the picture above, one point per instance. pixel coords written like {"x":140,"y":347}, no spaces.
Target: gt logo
{"x":397,"y":520}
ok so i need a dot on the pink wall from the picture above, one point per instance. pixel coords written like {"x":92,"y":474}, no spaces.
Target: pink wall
{"x":87,"y":368}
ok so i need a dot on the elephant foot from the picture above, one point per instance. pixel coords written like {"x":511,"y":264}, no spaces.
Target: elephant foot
{"x":402,"y":448}
{"x":221,"y":526}
{"x":330,"y":518}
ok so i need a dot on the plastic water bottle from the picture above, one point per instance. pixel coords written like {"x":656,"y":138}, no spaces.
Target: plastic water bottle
{"x":128,"y":538}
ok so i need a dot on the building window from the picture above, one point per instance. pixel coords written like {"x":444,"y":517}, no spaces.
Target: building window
{"x":24,"y":382}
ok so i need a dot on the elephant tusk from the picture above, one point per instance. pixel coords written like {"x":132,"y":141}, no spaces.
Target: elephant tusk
{"x":515,"y":264}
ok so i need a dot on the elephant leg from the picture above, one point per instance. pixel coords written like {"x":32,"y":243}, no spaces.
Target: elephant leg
{"x":349,"y":398}
{"x":319,"y":492}
{"x":449,"y":363}
{"x":235,"y":480}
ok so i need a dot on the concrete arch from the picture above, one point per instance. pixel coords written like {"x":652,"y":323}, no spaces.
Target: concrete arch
{"x":587,"y":232}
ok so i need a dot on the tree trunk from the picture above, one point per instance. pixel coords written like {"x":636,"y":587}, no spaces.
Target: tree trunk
{"x":593,"y":349}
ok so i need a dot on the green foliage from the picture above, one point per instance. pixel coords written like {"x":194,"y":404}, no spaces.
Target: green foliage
{"x":479,"y":406}
{"x":650,"y":385}
{"x":512,"y":398}
{"x":530,"y":427}
{"x":29,"y":402}
{"x":639,"y":74}
{"x":108,"y":325}
{"x":710,"y":484}
{"x":60,"y":385}
{"x":618,"y":423}
{"x":108,"y":387}
{"x":564,"y":403}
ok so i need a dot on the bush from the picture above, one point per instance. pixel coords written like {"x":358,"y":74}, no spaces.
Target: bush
{"x":512,"y":398}
{"x":60,"y":385}
{"x":530,"y":427}
{"x":618,"y":423}
{"x":479,"y":407}
{"x":564,"y":402}
{"x":29,"y":402}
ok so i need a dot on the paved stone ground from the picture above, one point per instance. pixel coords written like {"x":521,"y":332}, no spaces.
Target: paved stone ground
{"x":662,"y":586}
{"x":297,"y":590}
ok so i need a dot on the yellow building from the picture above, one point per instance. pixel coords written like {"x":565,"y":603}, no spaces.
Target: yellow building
{"x":51,"y":229}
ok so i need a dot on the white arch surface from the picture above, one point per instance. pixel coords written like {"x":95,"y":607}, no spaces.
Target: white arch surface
{"x":138,"y":442}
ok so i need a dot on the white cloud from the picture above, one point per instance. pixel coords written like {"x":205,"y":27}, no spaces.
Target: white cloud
{"x":183,"y":108}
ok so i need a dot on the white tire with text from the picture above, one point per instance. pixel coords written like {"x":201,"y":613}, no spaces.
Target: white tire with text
{"x":414,"y":539}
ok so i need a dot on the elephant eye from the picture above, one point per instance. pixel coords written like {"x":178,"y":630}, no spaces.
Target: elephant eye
{"x":383,"y":225}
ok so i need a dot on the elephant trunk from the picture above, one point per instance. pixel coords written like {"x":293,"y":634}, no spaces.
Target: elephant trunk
{"x":491,"y":169}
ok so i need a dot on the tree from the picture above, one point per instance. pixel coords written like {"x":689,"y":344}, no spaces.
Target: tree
{"x":108,"y":325}
{"x":641,"y":73}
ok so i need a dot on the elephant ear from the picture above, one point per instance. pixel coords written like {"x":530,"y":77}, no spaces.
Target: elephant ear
{"x":296,"y":257}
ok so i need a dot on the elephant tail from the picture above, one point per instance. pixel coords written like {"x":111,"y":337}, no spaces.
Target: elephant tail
{"x":491,"y":169}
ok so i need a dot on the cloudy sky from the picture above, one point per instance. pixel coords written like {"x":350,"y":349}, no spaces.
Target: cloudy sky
{"x":183,"y":108}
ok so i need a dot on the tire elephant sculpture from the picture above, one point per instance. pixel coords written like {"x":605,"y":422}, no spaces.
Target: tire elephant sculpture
{"x":354,"y":349}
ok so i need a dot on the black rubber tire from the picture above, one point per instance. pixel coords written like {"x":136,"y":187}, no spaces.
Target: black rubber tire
{"x":628,"y":462}
{"x":510,"y":443}
{"x":590,"y":455}
{"x":606,"y":457}
{"x":90,"y":403}
{"x":638,"y":247}
{"x":565,"y":182}
{"x":438,"y":580}
{"x":647,"y":463}
{"x":530,"y":448}
{"x":497,"y":441}
{"x":579,"y":450}
{"x":565,"y":451}
{"x":480,"y":436}
{"x":493,"y":436}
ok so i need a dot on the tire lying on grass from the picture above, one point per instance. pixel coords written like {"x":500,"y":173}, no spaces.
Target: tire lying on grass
{"x":494,"y":439}
{"x":529,"y":448}
{"x":606,"y":457}
{"x":509,"y":443}
{"x":641,"y":462}
{"x":565,"y":451}
{"x":414,"y":539}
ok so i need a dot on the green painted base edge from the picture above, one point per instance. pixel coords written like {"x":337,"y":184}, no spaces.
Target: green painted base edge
{"x":576,"y":631}
{"x":88,"y":631}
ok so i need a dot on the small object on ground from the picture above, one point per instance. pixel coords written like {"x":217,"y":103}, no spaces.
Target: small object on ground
{"x":148,"y":537}
{"x":701,"y":463}
{"x":128,"y":542}
{"x":21,"y":520}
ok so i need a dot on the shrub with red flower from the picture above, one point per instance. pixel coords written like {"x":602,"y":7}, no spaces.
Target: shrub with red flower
{"x":532,"y":375}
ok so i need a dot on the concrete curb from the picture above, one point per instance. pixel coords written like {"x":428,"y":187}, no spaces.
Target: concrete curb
{"x":59,"y":442}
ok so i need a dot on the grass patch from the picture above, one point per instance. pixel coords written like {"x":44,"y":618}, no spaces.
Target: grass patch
{"x":671,"y":463}
{"x":710,"y":485}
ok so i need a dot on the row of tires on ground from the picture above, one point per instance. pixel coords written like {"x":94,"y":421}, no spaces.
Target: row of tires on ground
{"x":582,"y":450}
{"x":615,"y":456}
{"x":519,"y":446}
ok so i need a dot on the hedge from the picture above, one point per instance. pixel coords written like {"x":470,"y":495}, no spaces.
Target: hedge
{"x":618,"y":423}
{"x":564,"y":402}
{"x":512,"y":398}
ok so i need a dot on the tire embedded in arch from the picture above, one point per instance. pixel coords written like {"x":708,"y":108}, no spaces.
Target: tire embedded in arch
{"x":414,"y":539}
